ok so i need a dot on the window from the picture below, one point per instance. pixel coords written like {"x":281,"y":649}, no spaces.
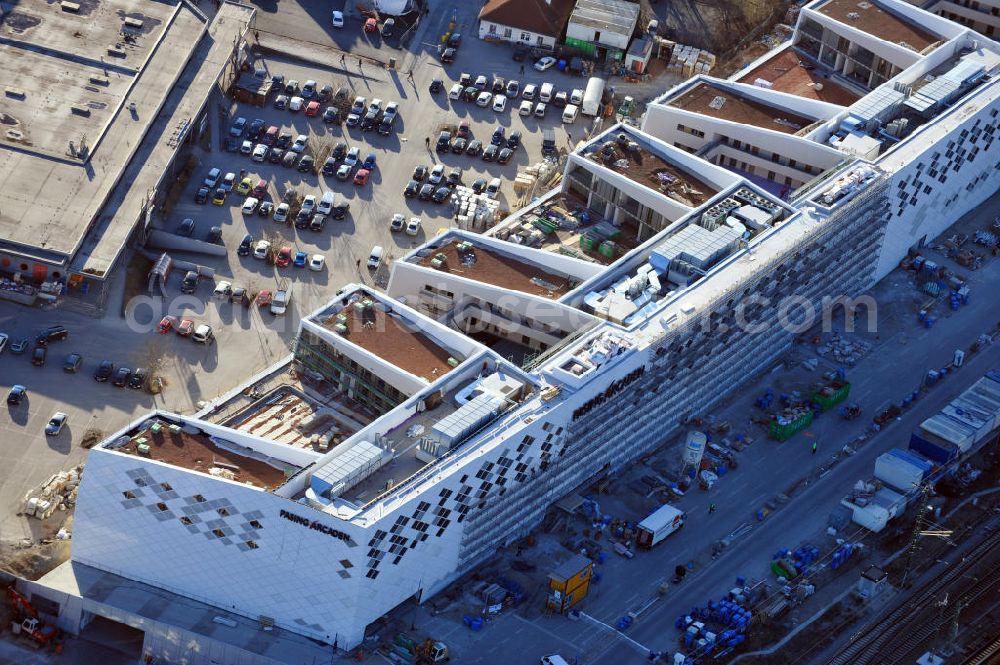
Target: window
{"x":199,"y":498}
{"x":525,"y":37}
{"x":251,"y":544}
{"x":128,"y":495}
{"x":162,"y":506}
{"x":218,"y":533}
{"x":493,"y":28}
{"x":344,"y":563}
{"x":166,"y":487}
{"x":186,"y":521}
{"x":140,"y":482}
{"x":507,"y":32}
{"x":222,"y":512}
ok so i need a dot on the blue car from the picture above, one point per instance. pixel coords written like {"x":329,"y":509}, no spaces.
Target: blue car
{"x":369,"y":161}
{"x":300,"y":260}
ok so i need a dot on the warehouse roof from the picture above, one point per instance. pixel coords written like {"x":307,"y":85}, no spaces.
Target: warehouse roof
{"x":545,"y":17}
{"x":617,"y":16}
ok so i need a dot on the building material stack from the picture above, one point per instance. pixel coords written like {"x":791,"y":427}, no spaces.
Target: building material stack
{"x":57,"y":493}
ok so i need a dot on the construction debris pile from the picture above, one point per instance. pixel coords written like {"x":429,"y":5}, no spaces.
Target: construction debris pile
{"x":57,"y":493}
{"x":537,"y":175}
{"x":475,"y":211}
{"x":843,"y":350}
{"x":687,"y":60}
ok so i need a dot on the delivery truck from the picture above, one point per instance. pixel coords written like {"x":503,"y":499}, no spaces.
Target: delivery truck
{"x":658,"y":525}
{"x":592,"y":96}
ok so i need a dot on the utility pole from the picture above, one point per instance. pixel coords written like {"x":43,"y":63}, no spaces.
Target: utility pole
{"x":919,"y":531}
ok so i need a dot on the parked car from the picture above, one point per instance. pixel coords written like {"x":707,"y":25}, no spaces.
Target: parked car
{"x":309,"y":89}
{"x":51,"y":334}
{"x":122,"y":375}
{"x":185,"y":327}
{"x":413,"y":226}
{"x":352,"y":157}
{"x":212,"y":179}
{"x":448,"y":55}
{"x":493,"y":189}
{"x":426,"y":192}
{"x":281,"y":102}
{"x":442,"y":194}
{"x":39,"y":355}
{"x":475,"y":148}
{"x":280,"y":213}
{"x":56,"y":423}
{"x":265,"y":209}
{"x":545,"y":63}
{"x":397,"y":222}
{"x":255,"y":129}
{"x":186,"y":228}
{"x":490,"y":154}
{"x":19,"y":346}
{"x":337,"y":19}
{"x":316,"y":262}
{"x":499,"y":102}
{"x":519,"y":54}
{"x":436,"y":86}
{"x":499,"y":85}
{"x":17,"y":394}
{"x":331,"y":115}
{"x":262,"y":248}
{"x":514,"y":140}
{"x":238,"y":127}
{"x":529,"y":92}
{"x":479,"y":185}
{"x":504,"y":156}
{"x":250,"y":206}
{"x":139,"y":379}
{"x":245,"y":246}
{"x":203,"y":334}
{"x":201,"y":196}
{"x":220,"y":197}
{"x":343,"y":172}
{"x":411,"y":189}
{"x":72,"y":363}
{"x":259,"y":153}
{"x":484,"y":99}
{"x":513,"y":89}
{"x":499,"y":135}
{"x":458,"y":146}
{"x":361,"y":177}
{"x":375,"y":257}
{"x":284,"y":257}
{"x":306,"y":165}
{"x":104,"y":371}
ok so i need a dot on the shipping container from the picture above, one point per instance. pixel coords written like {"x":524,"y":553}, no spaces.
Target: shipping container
{"x":893,"y":502}
{"x":658,"y":525}
{"x":899,"y":473}
{"x":937,"y":451}
{"x":569,"y":583}
{"x":832,"y":395}
{"x":783,"y":429}
{"x":872,"y":517}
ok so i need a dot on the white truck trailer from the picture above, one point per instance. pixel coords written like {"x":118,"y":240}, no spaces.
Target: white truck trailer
{"x":592,"y":96}
{"x":658,"y":525}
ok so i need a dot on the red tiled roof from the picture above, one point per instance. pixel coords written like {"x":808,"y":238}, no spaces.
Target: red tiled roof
{"x":545,"y":17}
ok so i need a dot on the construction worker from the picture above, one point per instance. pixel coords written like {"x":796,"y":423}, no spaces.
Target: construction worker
{"x":711,"y":508}
{"x":815,"y":445}
{"x":427,"y":142}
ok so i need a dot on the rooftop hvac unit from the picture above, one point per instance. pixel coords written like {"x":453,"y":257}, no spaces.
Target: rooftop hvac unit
{"x":437,"y":263}
{"x":340,"y":328}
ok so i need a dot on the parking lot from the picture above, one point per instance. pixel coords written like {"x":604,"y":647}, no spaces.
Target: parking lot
{"x":345,"y":243}
{"x":248,"y":340}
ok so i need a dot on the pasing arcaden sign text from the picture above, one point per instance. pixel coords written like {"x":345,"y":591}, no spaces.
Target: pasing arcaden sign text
{"x":315,"y":526}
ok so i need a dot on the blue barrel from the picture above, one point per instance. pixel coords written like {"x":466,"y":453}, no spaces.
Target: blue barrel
{"x":477,"y":624}
{"x":602,"y":556}
{"x":721,"y":470}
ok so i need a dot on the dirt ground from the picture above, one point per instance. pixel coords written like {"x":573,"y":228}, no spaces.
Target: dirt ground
{"x":32,"y":560}
{"x":717,"y":25}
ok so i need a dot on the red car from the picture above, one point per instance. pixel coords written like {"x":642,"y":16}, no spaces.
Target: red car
{"x":270,"y":136}
{"x":361,"y":177}
{"x":260,"y":189}
{"x":284,"y":257}
{"x":371,"y":25}
{"x":463,"y":130}
{"x":166,"y":324}
{"x":185,"y":328}
{"x":312,"y":109}
{"x":263,"y":298}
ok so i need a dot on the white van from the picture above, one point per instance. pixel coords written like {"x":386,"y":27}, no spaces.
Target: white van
{"x":576,"y":97}
{"x":570,"y":113}
{"x":456,"y":91}
{"x":375,"y":258}
{"x":545,"y":94}
{"x":326,"y":203}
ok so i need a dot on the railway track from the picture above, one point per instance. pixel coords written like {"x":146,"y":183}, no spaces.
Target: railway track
{"x":870,"y":644}
{"x":988,"y":654}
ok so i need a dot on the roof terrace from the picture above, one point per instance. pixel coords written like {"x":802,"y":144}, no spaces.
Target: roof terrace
{"x":711,"y":100}
{"x":370,"y":323}
{"x":791,"y":72}
{"x":406,"y":440}
{"x":189,"y":447}
{"x":628,"y":154}
{"x":481,"y":263}
{"x":867,"y":16}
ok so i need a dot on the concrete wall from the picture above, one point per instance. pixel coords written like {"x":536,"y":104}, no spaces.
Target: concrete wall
{"x":923,"y":207}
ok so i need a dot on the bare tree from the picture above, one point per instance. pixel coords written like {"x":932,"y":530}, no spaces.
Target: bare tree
{"x":153,"y":357}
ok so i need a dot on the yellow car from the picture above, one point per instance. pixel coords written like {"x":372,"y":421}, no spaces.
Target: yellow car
{"x":244,"y":187}
{"x":220,"y":197}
